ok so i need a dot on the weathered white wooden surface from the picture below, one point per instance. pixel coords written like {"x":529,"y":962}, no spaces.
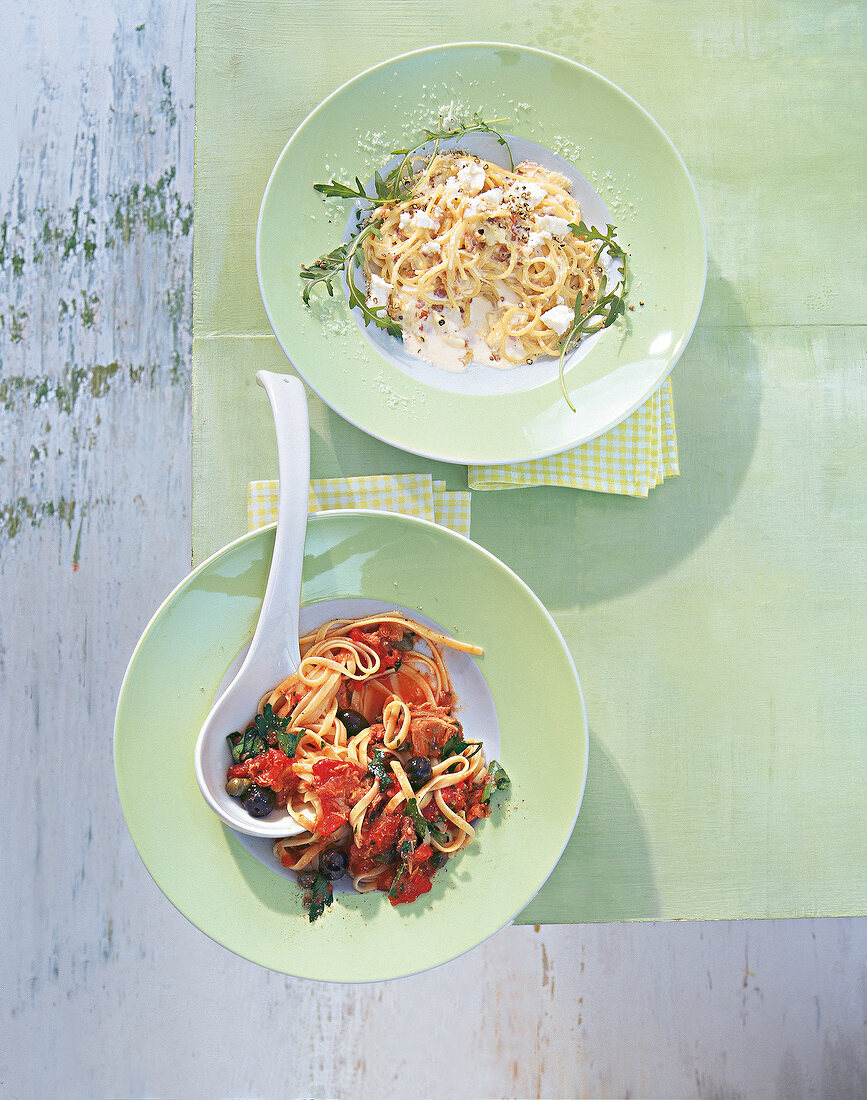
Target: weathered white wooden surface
{"x":107,"y":990}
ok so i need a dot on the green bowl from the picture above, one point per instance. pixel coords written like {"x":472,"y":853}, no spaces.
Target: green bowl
{"x":617,"y":149}
{"x":250,"y":907}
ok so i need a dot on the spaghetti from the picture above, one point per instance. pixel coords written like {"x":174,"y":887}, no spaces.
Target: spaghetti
{"x":362,"y":747}
{"x":477,"y":262}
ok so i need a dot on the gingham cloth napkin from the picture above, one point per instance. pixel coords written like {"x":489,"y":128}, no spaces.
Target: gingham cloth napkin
{"x":632,"y":458}
{"x":412,"y":494}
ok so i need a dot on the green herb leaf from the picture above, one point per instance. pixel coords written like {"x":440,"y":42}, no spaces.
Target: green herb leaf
{"x":421,"y":823}
{"x":267,"y":722}
{"x":257,"y":737}
{"x":608,"y":306}
{"x":394,"y":889}
{"x":335,"y":190}
{"x":342,"y":259}
{"x":378,"y":768}
{"x":497,"y":779}
{"x":395,"y":187}
{"x":321,"y":896}
{"x":455,"y":746}
{"x":288,"y":742}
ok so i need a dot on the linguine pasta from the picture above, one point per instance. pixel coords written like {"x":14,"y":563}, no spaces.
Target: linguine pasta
{"x":362,"y":746}
{"x":480,"y":262}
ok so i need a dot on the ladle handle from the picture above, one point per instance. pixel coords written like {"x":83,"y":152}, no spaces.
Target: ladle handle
{"x":274,"y":649}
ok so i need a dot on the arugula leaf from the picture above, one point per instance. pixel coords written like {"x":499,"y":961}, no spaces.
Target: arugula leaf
{"x":497,"y":779}
{"x":336,"y":190}
{"x":421,"y":823}
{"x":343,"y":259}
{"x":378,"y":768}
{"x":607,"y":307}
{"x":397,"y":186}
{"x":321,"y":896}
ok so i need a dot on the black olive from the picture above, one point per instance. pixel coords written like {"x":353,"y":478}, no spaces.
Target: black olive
{"x":438,"y":859}
{"x":258,"y":801}
{"x":418,"y":771}
{"x":353,"y":721}
{"x":306,"y":878}
{"x":333,"y":864}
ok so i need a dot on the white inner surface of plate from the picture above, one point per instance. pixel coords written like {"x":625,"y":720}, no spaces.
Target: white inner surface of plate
{"x":475,"y":705}
{"x":481,"y":378}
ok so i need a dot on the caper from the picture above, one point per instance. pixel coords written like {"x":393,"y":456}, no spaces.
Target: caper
{"x":238,"y":787}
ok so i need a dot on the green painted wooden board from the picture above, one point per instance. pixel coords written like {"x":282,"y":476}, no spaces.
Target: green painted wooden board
{"x":717,"y":626}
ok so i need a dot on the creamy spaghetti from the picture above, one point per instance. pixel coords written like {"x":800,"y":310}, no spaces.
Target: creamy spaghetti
{"x":480,"y":263}
{"x":363,"y":748}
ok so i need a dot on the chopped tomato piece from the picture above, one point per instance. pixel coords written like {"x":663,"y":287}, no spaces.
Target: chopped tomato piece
{"x":272,"y":768}
{"x":385,"y":880}
{"x":384,"y":833}
{"x":360,"y":862}
{"x":388,"y":656}
{"x":455,"y":797}
{"x":331,"y":820}
{"x":410,"y":887}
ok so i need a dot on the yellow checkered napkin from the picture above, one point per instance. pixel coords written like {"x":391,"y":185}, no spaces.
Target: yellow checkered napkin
{"x":412,"y":494}
{"x":632,"y":458}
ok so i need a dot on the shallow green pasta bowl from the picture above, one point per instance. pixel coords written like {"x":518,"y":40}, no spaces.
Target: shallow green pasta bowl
{"x":241,"y":899}
{"x":625,"y":172}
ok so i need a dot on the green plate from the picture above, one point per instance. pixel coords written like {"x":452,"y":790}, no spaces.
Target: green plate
{"x":229,"y":893}
{"x":634,"y":174}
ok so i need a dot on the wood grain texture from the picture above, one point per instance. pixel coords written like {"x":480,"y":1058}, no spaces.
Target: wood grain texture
{"x":715,"y":626}
{"x":106,"y":990}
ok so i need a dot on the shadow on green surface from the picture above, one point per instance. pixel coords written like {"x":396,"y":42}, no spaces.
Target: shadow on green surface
{"x":605,"y":872}
{"x":589,"y":547}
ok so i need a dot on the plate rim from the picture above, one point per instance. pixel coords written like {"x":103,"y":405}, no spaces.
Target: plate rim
{"x":538,"y":452}
{"x":252,"y":536}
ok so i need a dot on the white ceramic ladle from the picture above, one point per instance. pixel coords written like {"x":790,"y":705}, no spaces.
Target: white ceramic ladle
{"x":273,"y":654}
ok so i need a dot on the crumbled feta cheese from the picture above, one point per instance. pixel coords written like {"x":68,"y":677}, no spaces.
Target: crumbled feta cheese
{"x":452,"y":189}
{"x":422,"y":220}
{"x":557,"y":227}
{"x":472,"y":178}
{"x":536,"y":240}
{"x":417,"y":219}
{"x":493,"y":196}
{"x":430,"y":248}
{"x":558,"y":319}
{"x":525,"y":194}
{"x":378,"y":292}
